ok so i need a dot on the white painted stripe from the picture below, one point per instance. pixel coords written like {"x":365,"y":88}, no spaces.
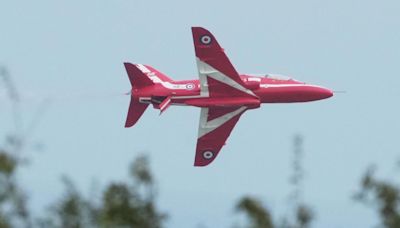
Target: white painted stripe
{"x":153,"y":77}
{"x":145,"y":100}
{"x":207,"y":127}
{"x":188,"y":97}
{"x":254,"y":79}
{"x":202,"y":71}
{"x":226,"y":80}
{"x":203,"y":121}
{"x":205,"y":70}
{"x":165,"y":104}
{"x":289,"y":85}
{"x":282,"y":85}
{"x":143,"y":68}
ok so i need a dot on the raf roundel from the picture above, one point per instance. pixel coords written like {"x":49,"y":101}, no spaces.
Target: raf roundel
{"x":190,"y":86}
{"x":208,"y":154}
{"x":206,"y":39}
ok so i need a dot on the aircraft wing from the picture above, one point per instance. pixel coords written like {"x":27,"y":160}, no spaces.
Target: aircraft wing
{"x":217,"y":76}
{"x":216,"y":124}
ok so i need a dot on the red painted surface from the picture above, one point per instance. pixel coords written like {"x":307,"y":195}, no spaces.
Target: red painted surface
{"x":213,"y":141}
{"x":225,"y":96}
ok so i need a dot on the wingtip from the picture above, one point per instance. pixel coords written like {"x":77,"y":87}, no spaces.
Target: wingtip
{"x":129,"y":124}
{"x":200,"y":161}
{"x":199,"y":164}
{"x":200,"y":29}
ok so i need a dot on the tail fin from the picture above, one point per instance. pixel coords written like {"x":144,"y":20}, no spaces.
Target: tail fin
{"x":144,"y":75}
{"x":155,"y":75}
{"x":141,"y":76}
{"x":137,"y":75}
{"x":139,"y":79}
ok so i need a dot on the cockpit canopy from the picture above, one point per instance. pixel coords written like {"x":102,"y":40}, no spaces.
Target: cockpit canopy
{"x":278,"y":77}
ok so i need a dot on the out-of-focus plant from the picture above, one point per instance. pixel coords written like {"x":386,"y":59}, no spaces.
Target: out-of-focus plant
{"x":13,"y":210}
{"x":121,"y":204}
{"x":125,"y":205}
{"x":302,"y":215}
{"x":258,"y":215}
{"x":382,"y":195}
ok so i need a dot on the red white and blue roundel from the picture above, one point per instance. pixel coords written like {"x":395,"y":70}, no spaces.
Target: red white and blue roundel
{"x":208,"y":154}
{"x":190,"y":86}
{"x":206,"y":39}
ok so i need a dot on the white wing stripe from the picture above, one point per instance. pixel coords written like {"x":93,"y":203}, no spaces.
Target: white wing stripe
{"x":207,"y":70}
{"x":202,"y":78}
{"x":209,"y":126}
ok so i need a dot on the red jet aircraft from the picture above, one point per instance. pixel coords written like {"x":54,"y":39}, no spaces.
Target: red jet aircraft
{"x":221,"y":93}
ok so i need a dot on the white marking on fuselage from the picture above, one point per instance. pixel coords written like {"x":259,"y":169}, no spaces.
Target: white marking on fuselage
{"x":189,"y":97}
{"x":281,"y":85}
{"x":253,"y":79}
{"x":289,"y":85}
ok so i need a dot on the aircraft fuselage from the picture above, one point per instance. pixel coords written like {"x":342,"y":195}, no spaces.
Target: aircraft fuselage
{"x":221,"y":93}
{"x":267,"y":89}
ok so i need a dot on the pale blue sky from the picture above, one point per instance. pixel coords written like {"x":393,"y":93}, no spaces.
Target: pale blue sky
{"x":72,"y":51}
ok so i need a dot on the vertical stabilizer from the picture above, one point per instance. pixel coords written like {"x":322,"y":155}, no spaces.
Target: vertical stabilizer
{"x":142,"y":76}
{"x":139,"y":79}
{"x":138,"y":75}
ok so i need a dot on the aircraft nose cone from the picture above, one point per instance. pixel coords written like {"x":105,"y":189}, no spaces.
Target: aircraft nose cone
{"x":324,"y":93}
{"x":328,"y":93}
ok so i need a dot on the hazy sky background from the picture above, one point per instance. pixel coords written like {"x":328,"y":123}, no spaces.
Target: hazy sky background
{"x":73,"y":52}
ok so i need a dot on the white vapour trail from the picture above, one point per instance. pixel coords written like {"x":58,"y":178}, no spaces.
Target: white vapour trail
{"x":55,"y":97}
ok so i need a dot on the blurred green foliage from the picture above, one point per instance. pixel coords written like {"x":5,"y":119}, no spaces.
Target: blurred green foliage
{"x":382,"y":195}
{"x":130,"y":204}
{"x":121,"y":204}
{"x":13,"y":211}
{"x":7,"y":164}
{"x":260,"y":217}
